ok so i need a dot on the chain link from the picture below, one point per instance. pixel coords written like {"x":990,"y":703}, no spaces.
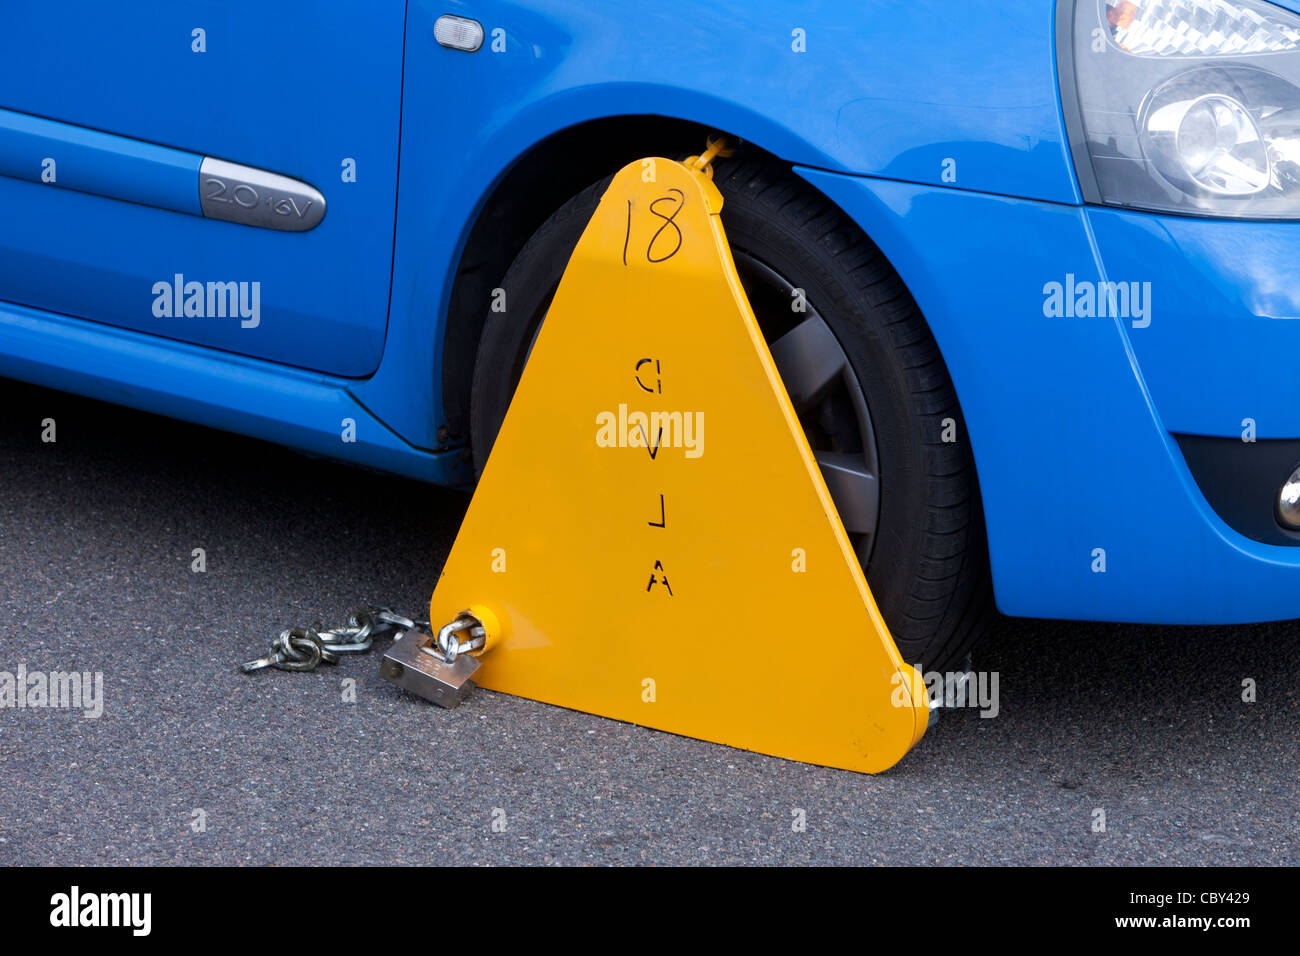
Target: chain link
{"x":447,"y":645}
{"x":306,"y":648}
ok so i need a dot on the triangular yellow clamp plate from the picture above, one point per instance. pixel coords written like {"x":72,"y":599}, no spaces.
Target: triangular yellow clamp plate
{"x":651,"y":530}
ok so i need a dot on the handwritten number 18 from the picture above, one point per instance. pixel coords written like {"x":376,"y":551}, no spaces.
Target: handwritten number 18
{"x":676,"y":197}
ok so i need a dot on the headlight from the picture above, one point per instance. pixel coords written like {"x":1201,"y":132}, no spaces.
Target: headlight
{"x":1189,"y":106}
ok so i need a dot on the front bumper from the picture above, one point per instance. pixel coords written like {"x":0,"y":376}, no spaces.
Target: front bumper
{"x":1092,"y":510}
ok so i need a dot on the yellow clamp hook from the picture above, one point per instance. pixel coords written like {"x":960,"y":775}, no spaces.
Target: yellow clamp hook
{"x":715,"y":146}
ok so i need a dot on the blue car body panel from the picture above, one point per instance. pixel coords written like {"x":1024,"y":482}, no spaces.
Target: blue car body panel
{"x":1231,"y":303}
{"x":305,"y":410}
{"x":293,"y":88}
{"x":99,"y":163}
{"x":1072,"y":453}
{"x":938,"y":127}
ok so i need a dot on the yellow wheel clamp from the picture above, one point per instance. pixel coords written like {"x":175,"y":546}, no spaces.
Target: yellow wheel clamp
{"x":652,"y":540}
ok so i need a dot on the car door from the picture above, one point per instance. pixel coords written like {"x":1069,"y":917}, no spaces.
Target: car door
{"x":220,"y":173}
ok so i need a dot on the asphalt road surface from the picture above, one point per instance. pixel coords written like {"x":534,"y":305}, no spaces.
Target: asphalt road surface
{"x":97,"y":531}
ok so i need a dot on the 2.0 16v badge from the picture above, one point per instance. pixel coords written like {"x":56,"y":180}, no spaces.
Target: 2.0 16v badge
{"x":255,"y":197}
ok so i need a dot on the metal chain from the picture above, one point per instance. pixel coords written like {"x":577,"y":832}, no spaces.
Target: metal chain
{"x":447,"y":646}
{"x":306,"y":648}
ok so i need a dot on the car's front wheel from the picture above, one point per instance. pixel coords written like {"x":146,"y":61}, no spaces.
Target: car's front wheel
{"x":862,"y":369}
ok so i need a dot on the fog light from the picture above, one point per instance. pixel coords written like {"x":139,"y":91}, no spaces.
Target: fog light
{"x":1288,"y":502}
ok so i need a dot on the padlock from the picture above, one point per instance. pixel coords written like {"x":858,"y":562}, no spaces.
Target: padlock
{"x":413,"y":663}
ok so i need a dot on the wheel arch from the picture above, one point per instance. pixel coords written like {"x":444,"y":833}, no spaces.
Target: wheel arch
{"x":545,"y":175}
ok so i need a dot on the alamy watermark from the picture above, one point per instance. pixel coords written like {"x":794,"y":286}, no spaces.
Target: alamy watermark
{"x":74,"y":908}
{"x":651,"y":431}
{"x":210,"y":300}
{"x":953,"y":689}
{"x":54,"y":690}
{"x":1084,"y":299}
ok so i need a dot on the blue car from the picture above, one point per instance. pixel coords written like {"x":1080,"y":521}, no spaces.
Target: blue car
{"x":1047,"y":348}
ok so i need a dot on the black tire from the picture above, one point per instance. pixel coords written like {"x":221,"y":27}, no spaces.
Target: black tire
{"x":927,"y":560}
